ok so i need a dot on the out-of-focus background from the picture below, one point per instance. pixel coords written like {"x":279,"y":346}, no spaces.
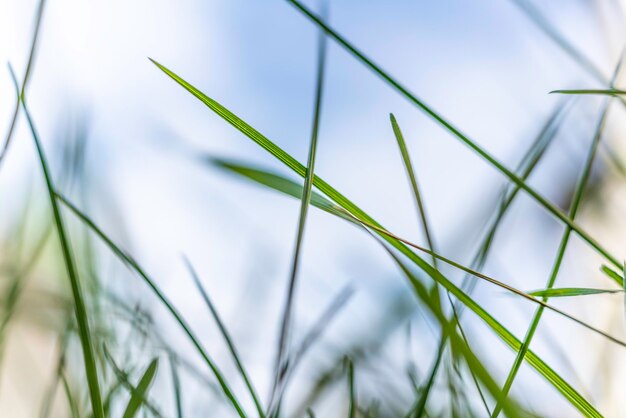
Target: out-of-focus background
{"x":133,"y":150}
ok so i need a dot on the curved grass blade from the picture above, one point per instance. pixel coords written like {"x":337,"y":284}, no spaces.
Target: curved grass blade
{"x":80,"y":309}
{"x":133,"y":265}
{"x":229,"y":341}
{"x":570,"y":291}
{"x":139,"y":393}
{"x":404,"y":91}
{"x":570,"y":393}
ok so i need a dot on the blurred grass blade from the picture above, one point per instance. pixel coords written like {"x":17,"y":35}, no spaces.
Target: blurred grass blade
{"x":352,"y":405}
{"x":570,"y":291}
{"x":122,"y":378}
{"x":549,"y":206}
{"x":22,"y":93}
{"x":608,"y":92}
{"x":286,"y":317}
{"x":133,"y":265}
{"x":176,"y":386}
{"x":570,"y":393}
{"x":139,"y":393}
{"x":229,"y":341}
{"x":80,"y":309}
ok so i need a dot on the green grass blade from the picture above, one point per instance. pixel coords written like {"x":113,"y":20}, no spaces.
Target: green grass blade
{"x":286,"y":317}
{"x":352,"y":405}
{"x":140,"y":392}
{"x":574,"y":397}
{"x":549,"y":206}
{"x":612,"y":274}
{"x":431,"y":246}
{"x":25,"y":80}
{"x":570,"y":291}
{"x":176,"y":385}
{"x":133,"y":265}
{"x":80,"y":309}
{"x":601,"y":92}
{"x":229,"y":341}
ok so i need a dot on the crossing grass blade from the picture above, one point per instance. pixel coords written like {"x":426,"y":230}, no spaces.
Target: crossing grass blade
{"x":134,"y":265}
{"x":439,"y":119}
{"x":80,"y":309}
{"x":571,"y":291}
{"x":549,"y":374}
{"x":139,"y":393}
{"x":344,"y":205}
{"x":229,"y":341}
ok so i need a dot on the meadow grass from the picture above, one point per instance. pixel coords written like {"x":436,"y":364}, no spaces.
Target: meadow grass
{"x":119,"y":379}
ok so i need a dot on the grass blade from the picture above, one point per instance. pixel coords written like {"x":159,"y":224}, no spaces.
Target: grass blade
{"x":133,"y":265}
{"x":570,"y":291}
{"x":80,"y":309}
{"x":25,"y":80}
{"x":352,"y":406}
{"x":550,"y":207}
{"x":229,"y":341}
{"x":609,"y":92}
{"x":139,"y":393}
{"x":570,"y":393}
{"x":286,"y":319}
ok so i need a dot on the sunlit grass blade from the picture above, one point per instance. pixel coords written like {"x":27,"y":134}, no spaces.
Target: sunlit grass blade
{"x":229,"y":341}
{"x":140,"y":392}
{"x":576,"y":200}
{"x":574,"y":397}
{"x":571,"y":291}
{"x":404,"y":91}
{"x":607,"y":92}
{"x":80,"y":309}
{"x":133,"y":265}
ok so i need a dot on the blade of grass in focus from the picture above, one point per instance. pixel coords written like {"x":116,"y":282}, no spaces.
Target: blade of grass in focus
{"x":139,"y":393}
{"x":574,"y":397}
{"x":229,"y":341}
{"x":408,"y":165}
{"x":286,"y":317}
{"x":352,"y":405}
{"x":550,"y":207}
{"x":80,"y":308}
{"x":571,"y":291}
{"x":133,"y":265}
{"x":609,"y":92}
